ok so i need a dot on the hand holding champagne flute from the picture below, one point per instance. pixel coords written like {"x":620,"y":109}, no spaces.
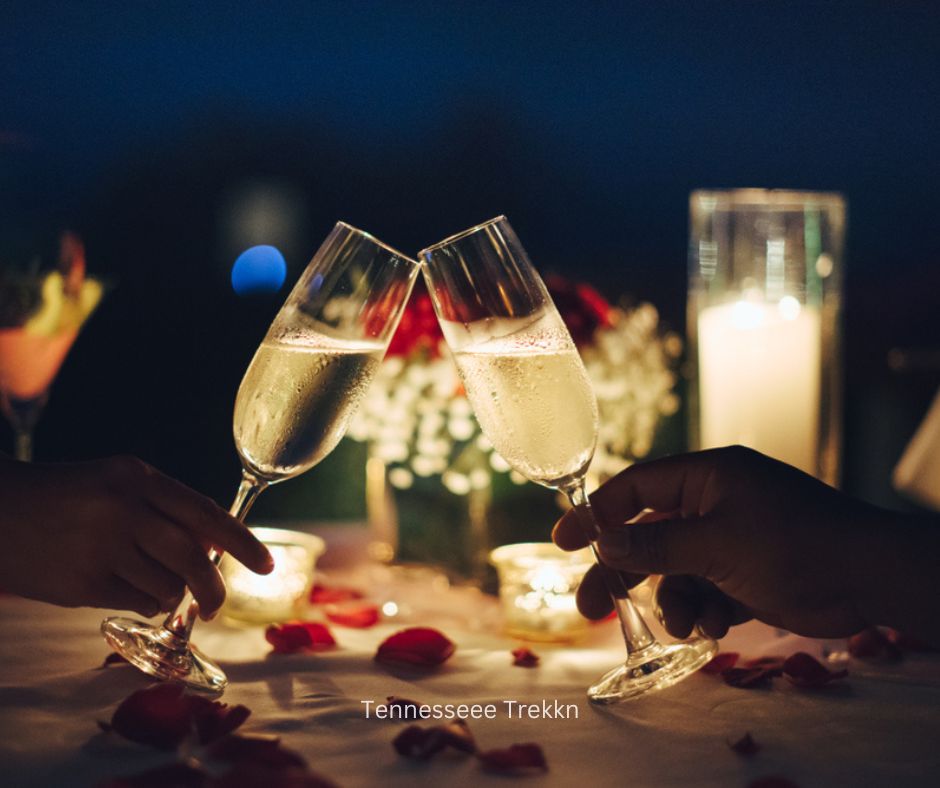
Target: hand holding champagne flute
{"x":534,"y":401}
{"x":293,"y":406}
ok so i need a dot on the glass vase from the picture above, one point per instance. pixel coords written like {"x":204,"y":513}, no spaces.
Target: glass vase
{"x":764,"y":304}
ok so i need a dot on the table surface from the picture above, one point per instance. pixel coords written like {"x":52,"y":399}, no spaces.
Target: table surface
{"x":881,"y":726}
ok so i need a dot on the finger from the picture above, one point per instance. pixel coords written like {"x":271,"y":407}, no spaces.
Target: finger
{"x":592,"y":597}
{"x":716,"y":616}
{"x":568,"y":532}
{"x":204,"y":518}
{"x":597,"y":593}
{"x":180,"y":554}
{"x":665,"y":547}
{"x":669,"y":484}
{"x":677,"y":611}
{"x":118,"y":594}
{"x":151,"y":577}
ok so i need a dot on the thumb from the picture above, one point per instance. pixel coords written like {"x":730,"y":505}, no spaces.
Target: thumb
{"x":664,"y":547}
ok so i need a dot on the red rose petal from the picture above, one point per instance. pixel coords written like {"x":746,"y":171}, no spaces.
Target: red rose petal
{"x":524,"y":657}
{"x":517,"y":759}
{"x":422,"y":743}
{"x":416,"y":646}
{"x":807,"y":672}
{"x":213,"y":720}
{"x":720,"y":662}
{"x":158,"y":715}
{"x":745,"y":745}
{"x":299,"y":636}
{"x":113,"y":659}
{"x":358,"y":615}
{"x":874,"y":644}
{"x":324,"y":595}
{"x":173,"y":775}
{"x":164,"y":715}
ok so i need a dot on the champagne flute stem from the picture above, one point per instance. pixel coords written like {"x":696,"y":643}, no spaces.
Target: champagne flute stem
{"x":24,"y":445}
{"x":181,"y":620}
{"x":636,"y":635}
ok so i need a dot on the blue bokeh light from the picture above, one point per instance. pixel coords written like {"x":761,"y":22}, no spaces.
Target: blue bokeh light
{"x":259,"y":269}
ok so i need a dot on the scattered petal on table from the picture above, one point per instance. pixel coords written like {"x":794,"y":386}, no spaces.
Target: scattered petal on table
{"x":299,"y":636}
{"x":173,"y":775}
{"x":158,"y":715}
{"x":517,"y":759}
{"x":113,"y":659}
{"x":360,"y":615}
{"x":163,"y":715}
{"x":721,"y":662}
{"x":874,"y":644}
{"x":416,"y":646}
{"x":422,"y":743}
{"x":524,"y":657}
{"x":807,"y":672}
{"x":746,"y":745}
{"x":263,"y":751}
{"x":324,"y":595}
{"x":213,"y":720}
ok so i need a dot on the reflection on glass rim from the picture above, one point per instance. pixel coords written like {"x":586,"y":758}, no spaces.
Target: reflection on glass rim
{"x":462,"y":234}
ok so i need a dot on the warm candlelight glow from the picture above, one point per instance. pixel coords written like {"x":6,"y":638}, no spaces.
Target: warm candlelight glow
{"x":759,"y":370}
{"x":537,"y":585}
{"x":280,"y":595}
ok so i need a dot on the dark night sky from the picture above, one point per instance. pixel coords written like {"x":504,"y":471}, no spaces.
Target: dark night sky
{"x":586,"y":123}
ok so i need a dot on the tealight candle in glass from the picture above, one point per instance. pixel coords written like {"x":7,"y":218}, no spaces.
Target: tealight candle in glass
{"x":537,"y":585}
{"x":281,"y":595}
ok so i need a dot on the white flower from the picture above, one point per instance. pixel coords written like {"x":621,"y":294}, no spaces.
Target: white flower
{"x":417,"y":421}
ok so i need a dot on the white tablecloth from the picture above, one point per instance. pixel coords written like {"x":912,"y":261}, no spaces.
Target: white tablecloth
{"x":881,"y":727}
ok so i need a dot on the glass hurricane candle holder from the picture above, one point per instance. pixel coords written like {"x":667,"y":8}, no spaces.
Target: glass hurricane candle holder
{"x":281,"y":595}
{"x":765,"y":285}
{"x":537,"y":585}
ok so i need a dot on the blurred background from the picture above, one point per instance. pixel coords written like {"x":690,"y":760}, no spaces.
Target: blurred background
{"x":172,"y":136}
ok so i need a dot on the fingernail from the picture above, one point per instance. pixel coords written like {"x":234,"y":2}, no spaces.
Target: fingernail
{"x":614,"y":543}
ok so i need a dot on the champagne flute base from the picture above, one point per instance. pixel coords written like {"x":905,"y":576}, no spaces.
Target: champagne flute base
{"x":159,"y":652}
{"x":653,"y":668}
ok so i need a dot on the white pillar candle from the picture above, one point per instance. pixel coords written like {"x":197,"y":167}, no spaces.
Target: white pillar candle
{"x":759,"y":378}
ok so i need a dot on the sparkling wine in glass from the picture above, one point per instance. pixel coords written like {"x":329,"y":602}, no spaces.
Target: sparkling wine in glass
{"x":534,"y":401}
{"x":293,"y":406}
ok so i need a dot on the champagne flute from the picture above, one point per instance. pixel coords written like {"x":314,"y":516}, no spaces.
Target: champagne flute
{"x":293,"y":406}
{"x":534,"y":401}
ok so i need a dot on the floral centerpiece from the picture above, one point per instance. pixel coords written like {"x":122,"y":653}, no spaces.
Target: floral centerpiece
{"x":419,"y":425}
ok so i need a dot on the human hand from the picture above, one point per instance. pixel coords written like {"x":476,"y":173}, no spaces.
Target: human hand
{"x":737,"y":535}
{"x":115,"y":533}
